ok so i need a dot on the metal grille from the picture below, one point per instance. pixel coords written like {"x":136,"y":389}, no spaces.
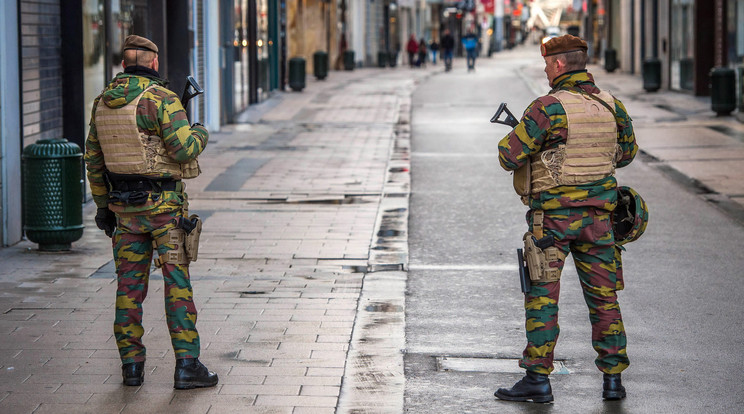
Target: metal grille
{"x":41,"y":69}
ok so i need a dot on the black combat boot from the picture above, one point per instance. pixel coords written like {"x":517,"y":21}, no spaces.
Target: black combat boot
{"x":613,"y":388}
{"x":133,"y":373}
{"x":190,"y":373}
{"x":533,"y":387}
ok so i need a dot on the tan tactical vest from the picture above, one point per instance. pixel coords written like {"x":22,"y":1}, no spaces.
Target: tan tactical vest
{"x":127,"y":151}
{"x":591,"y":150}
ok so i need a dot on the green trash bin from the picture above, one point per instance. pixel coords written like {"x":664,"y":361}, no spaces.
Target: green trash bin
{"x":651,"y":74}
{"x":297,"y":74}
{"x":52,"y":193}
{"x":723,"y":90}
{"x":382,"y":59}
{"x":349,"y":59}
{"x":610,"y":56}
{"x":393,"y":59}
{"x":320,"y":65}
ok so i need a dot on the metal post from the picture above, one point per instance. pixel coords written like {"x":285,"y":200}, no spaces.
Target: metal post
{"x":252,"y":53}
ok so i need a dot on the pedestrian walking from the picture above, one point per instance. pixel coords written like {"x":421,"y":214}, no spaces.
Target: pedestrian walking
{"x":448,"y":45}
{"x":412,"y":49}
{"x":564,"y":152}
{"x":470,"y":43}
{"x":422,"y":53}
{"x":434,"y":47}
{"x":139,"y":148}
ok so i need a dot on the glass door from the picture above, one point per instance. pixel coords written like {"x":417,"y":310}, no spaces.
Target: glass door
{"x":94,"y":52}
{"x":682,"y":56}
{"x":240,"y":62}
{"x":262,"y":48}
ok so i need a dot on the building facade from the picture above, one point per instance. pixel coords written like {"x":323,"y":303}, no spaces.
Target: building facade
{"x":688,"y":37}
{"x":58,"y":55}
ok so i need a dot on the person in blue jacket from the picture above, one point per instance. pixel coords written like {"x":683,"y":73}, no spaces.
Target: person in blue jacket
{"x":470,"y":43}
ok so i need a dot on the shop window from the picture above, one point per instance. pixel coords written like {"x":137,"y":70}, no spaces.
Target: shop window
{"x":682,"y":56}
{"x":94,"y":51}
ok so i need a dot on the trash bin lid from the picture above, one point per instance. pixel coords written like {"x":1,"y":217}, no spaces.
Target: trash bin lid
{"x":52,"y":148}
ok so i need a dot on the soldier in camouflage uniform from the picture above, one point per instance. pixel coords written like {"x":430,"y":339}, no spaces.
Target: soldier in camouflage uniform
{"x":568,"y":143}
{"x":139,"y":147}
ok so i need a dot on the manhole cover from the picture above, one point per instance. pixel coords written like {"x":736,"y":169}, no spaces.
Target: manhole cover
{"x":495,"y":365}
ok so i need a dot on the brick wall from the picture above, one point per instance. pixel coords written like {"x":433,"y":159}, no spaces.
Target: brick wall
{"x":41,"y":74}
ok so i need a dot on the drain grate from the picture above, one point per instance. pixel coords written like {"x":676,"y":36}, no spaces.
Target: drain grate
{"x":487,"y":364}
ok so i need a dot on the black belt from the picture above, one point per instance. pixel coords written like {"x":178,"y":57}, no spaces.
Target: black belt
{"x":144,"y":185}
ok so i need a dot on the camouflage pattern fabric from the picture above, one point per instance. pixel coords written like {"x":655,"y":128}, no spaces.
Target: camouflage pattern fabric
{"x":544,"y":126}
{"x":587,"y":234}
{"x":578,"y":218}
{"x":159,"y":113}
{"x":133,"y":252}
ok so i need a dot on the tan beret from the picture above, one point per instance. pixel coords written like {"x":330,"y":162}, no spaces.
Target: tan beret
{"x":562,"y":44}
{"x":139,"y":43}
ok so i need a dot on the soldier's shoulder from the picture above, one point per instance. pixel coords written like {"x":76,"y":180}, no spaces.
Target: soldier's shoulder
{"x":546,"y":100}
{"x":160,"y":92}
{"x":549,"y":104}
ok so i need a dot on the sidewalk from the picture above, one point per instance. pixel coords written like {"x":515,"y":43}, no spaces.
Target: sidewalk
{"x":678,"y":133}
{"x":301,"y":206}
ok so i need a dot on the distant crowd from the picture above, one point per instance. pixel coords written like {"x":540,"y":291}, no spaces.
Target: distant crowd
{"x":418,"y":50}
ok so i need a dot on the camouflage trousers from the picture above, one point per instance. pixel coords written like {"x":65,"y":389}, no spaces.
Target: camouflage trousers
{"x":587,"y":234}
{"x":133,"y":253}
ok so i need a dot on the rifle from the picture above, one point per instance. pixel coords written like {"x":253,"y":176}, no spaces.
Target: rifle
{"x":191,"y":83}
{"x":510,"y":120}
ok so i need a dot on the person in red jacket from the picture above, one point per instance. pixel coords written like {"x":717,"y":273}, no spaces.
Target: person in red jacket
{"x":412,"y":49}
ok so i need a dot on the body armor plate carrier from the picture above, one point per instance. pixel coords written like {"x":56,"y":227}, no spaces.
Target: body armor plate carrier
{"x":589,"y":154}
{"x":126,"y":150}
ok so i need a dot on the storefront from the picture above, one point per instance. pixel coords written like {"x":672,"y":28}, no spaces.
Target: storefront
{"x":253,"y":29}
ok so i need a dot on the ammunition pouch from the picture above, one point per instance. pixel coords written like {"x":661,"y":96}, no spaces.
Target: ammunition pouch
{"x":185,"y":237}
{"x":177,"y":237}
{"x":539,"y":254}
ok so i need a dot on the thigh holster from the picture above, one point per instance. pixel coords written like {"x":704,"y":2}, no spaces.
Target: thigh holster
{"x":539,"y":259}
{"x":185,"y":237}
{"x":192,"y":238}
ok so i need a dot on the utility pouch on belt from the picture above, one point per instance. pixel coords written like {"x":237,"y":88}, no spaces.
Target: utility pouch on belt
{"x":539,"y":253}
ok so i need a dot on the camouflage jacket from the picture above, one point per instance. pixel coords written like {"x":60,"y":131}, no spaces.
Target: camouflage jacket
{"x":159,"y":113}
{"x":544,"y":126}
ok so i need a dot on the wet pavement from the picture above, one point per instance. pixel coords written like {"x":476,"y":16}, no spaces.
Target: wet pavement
{"x":464,"y":308}
{"x":304,"y":260}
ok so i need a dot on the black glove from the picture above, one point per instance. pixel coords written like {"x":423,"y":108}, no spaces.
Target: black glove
{"x":197,"y":123}
{"x":106,"y":220}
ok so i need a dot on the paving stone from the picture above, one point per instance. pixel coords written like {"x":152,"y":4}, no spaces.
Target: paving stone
{"x":244,"y":389}
{"x":298,"y":401}
{"x":320,"y":390}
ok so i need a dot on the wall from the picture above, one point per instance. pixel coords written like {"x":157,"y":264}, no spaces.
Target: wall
{"x":306,"y":30}
{"x":41,"y":65}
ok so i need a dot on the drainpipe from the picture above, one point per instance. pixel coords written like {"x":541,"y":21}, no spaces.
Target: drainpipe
{"x":10,"y":126}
